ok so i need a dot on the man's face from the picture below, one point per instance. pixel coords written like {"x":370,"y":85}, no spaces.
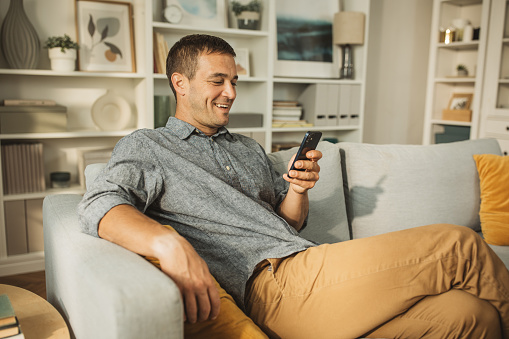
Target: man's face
{"x":212,"y":92}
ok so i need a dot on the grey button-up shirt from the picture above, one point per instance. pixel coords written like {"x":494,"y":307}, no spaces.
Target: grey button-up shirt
{"x":219,"y":192}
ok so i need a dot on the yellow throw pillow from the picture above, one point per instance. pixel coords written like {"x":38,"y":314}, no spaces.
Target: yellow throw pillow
{"x":231,"y":323}
{"x":494,"y":177}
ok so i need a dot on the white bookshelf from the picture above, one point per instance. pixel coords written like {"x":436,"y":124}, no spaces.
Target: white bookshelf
{"x":79,"y":90}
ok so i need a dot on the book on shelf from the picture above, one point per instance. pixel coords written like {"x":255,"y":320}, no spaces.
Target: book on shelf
{"x":33,"y":119}
{"x":284,"y":123}
{"x":161,"y":50}
{"x":89,"y":157}
{"x":285,"y":103}
{"x":23,"y":168}
{"x":28,"y":102}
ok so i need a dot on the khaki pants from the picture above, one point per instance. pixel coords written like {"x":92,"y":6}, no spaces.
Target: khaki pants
{"x":438,"y":281}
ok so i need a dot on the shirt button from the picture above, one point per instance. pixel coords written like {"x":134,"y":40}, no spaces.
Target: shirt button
{"x":228,"y":168}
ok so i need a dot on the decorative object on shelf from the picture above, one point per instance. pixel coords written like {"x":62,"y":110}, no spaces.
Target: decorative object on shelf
{"x":20,"y":43}
{"x":173,"y":12}
{"x":105,"y":35}
{"x":459,"y":108}
{"x":242,"y":62}
{"x":450,"y":35}
{"x":62,"y":53}
{"x":197,"y":13}
{"x":111,"y":112}
{"x":348,"y":30}
{"x":33,"y":118}
{"x":468,"y":33}
{"x":462,"y":70}
{"x":460,"y":25}
{"x":304,"y":39}
{"x":248,"y":15}
{"x":60,"y":179}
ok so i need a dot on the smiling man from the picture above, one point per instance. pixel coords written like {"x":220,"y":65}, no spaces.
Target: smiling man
{"x":203,"y":201}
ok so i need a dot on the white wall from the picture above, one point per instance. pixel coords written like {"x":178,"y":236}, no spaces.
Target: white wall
{"x":397,"y":69}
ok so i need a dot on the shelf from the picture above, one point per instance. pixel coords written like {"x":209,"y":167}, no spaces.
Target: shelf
{"x":226,"y":32}
{"x":47,"y":72}
{"x":450,"y":123}
{"x":315,"y":81}
{"x":473,"y":45}
{"x":64,"y":135}
{"x":74,"y":189}
{"x":316,"y":128}
{"x":456,"y":80}
{"x":463,"y":2}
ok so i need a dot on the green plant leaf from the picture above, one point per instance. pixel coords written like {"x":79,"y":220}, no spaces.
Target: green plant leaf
{"x":91,"y":26}
{"x":104,"y":33}
{"x":113,"y":48}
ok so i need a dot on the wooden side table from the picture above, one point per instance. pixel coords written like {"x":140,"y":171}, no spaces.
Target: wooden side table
{"x":37,"y":317}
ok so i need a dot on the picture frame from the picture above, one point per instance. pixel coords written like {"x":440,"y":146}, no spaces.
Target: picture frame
{"x":460,"y":101}
{"x":304,"y":44}
{"x":200,"y":13}
{"x":242,"y":62}
{"x":105,"y":35}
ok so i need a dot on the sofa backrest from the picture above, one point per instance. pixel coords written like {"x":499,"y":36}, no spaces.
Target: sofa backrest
{"x":327,"y":220}
{"x":395,"y":187}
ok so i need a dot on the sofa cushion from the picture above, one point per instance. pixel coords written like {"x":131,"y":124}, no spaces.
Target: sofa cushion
{"x":395,"y":187}
{"x":494,"y":177}
{"x":327,"y":221}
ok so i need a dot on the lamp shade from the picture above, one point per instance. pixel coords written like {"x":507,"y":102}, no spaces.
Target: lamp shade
{"x":348,"y":28}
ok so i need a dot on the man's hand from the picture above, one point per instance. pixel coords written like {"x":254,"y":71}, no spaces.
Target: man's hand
{"x":295,"y":206}
{"x":301,"y":181}
{"x":190,"y":273}
{"x":177,"y":257}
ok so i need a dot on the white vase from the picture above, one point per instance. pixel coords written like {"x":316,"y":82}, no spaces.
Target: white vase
{"x":60,"y":61}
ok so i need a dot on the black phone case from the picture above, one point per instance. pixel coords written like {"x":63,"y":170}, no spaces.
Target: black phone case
{"x":309,"y":143}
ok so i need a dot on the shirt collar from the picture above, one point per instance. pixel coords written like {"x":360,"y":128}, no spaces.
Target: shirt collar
{"x":183,"y":129}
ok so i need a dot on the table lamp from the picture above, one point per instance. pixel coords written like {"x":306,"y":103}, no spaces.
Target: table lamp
{"x":348,"y":30}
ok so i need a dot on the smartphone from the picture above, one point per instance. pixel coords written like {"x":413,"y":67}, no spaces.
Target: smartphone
{"x":309,"y":143}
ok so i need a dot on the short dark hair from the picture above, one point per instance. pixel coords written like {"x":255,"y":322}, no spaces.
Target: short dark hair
{"x":183,"y":56}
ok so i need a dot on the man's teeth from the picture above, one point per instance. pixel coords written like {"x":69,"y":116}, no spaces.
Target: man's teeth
{"x":222,"y":106}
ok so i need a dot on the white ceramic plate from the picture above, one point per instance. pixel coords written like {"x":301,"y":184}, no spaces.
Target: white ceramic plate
{"x":111,"y":112}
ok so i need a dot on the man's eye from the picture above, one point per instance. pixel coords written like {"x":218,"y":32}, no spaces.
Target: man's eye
{"x":234,"y":84}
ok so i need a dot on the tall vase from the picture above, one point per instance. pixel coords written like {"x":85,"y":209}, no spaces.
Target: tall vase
{"x":20,"y":43}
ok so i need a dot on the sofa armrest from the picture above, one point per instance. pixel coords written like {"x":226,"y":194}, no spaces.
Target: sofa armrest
{"x":103,"y":290}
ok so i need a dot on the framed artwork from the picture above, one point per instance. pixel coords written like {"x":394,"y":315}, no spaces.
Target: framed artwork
{"x":460,"y":101}
{"x":304,"y":39}
{"x":196,"y":13}
{"x":242,"y":62}
{"x":105,"y":35}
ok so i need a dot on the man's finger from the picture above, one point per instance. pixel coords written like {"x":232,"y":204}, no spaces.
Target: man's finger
{"x":215,"y":302}
{"x":191,"y":307}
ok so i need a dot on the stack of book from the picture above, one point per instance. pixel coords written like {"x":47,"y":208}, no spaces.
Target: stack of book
{"x":161,"y":50}
{"x":287,"y":114}
{"x":9,"y":325}
{"x":32,"y":116}
{"x":23,"y":168}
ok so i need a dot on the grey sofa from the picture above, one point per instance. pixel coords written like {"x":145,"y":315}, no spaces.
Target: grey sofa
{"x":105,"y":291}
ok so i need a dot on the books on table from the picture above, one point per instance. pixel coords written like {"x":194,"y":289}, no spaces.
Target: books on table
{"x":9,"y":325}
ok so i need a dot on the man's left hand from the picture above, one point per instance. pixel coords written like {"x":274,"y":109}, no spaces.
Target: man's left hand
{"x":307,"y":176}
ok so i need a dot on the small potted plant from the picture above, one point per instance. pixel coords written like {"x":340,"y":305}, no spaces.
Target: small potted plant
{"x":62,"y":53}
{"x":462,"y":70}
{"x":248,"y":14}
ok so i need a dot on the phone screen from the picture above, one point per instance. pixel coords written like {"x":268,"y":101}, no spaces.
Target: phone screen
{"x":309,"y":143}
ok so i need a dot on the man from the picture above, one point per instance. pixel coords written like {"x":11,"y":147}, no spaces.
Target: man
{"x":237,"y":219}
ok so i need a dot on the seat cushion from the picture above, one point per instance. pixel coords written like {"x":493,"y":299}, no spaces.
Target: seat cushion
{"x":395,"y":187}
{"x":327,"y":221}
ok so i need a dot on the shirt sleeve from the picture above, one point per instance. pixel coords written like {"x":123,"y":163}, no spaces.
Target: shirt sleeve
{"x":131,"y":177}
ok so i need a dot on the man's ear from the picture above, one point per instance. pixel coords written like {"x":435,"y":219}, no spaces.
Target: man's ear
{"x":179,"y":82}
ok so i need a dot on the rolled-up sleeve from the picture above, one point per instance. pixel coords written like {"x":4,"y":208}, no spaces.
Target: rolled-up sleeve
{"x":131,"y":177}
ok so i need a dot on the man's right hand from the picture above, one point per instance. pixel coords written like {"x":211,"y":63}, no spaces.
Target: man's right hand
{"x":189,"y":271}
{"x":124,"y":225}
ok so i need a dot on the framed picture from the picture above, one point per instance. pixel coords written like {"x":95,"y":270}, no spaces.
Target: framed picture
{"x":105,"y":35}
{"x":242,"y":62}
{"x":196,"y":13}
{"x":460,"y":101}
{"x":304,"y":39}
